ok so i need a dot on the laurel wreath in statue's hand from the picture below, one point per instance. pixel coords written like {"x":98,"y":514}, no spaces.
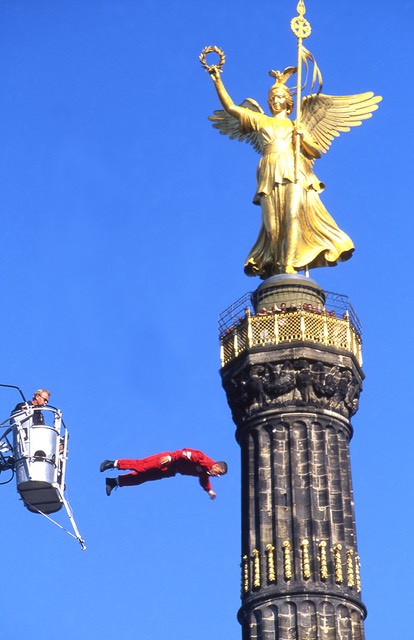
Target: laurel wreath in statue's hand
{"x":211,"y":67}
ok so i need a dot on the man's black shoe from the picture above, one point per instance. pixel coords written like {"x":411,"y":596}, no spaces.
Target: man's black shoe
{"x":107,"y":464}
{"x":111,"y":483}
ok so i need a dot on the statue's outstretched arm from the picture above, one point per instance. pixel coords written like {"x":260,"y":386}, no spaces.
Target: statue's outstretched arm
{"x":224,"y":97}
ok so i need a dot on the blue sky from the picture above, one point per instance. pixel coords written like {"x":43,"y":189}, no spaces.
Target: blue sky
{"x":126,"y":220}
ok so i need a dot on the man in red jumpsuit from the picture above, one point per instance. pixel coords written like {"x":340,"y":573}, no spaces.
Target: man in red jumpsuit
{"x":187,"y":462}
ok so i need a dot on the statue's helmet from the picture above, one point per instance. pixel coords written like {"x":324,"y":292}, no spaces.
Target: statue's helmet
{"x":280,"y":87}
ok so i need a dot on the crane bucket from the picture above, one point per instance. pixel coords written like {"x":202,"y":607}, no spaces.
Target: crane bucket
{"x":39,"y":452}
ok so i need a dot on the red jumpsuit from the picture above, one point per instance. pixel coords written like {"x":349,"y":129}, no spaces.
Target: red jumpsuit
{"x":187,"y":462}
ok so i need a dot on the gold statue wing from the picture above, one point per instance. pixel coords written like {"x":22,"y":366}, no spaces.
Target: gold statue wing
{"x":325,"y":117}
{"x":229,"y":125}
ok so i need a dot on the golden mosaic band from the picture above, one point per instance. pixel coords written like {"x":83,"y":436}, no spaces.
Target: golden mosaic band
{"x":252,"y":574}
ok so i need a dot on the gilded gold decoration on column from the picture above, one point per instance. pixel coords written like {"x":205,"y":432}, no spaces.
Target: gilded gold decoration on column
{"x":350,"y":568}
{"x":287,"y":560}
{"x":323,"y":563}
{"x":320,"y":329}
{"x":236,"y":343}
{"x":256,"y":569}
{"x":339,"y":576}
{"x":348,"y":334}
{"x":358,"y":574}
{"x":302,"y":327}
{"x":276,"y":329}
{"x":249,"y":330}
{"x":271,"y":571}
{"x":305,"y":559}
{"x":245,"y":574}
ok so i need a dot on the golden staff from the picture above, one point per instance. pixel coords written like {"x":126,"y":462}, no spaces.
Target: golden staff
{"x":302,"y":29}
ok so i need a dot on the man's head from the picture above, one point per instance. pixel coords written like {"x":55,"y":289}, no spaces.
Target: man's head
{"x":218,"y":469}
{"x":41,"y":397}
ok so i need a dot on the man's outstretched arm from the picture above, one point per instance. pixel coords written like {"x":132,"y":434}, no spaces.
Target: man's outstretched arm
{"x":205,"y":483}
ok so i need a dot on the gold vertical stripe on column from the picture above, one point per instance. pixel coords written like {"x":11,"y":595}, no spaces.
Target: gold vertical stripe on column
{"x":271,"y":571}
{"x":339,"y":576}
{"x":358,"y":574}
{"x":305,"y":559}
{"x":249,"y":331}
{"x":256,"y":569}
{"x":287,"y":560}
{"x":245,"y":574}
{"x":323,"y":562}
{"x":350,"y":568}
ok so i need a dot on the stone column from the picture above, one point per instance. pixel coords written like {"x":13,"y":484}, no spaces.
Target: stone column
{"x":292,"y":405}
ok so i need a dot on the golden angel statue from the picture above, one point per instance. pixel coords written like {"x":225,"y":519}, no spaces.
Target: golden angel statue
{"x":297,"y":232}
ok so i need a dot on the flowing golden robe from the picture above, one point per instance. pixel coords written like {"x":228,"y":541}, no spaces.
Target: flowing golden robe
{"x":297,"y":231}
